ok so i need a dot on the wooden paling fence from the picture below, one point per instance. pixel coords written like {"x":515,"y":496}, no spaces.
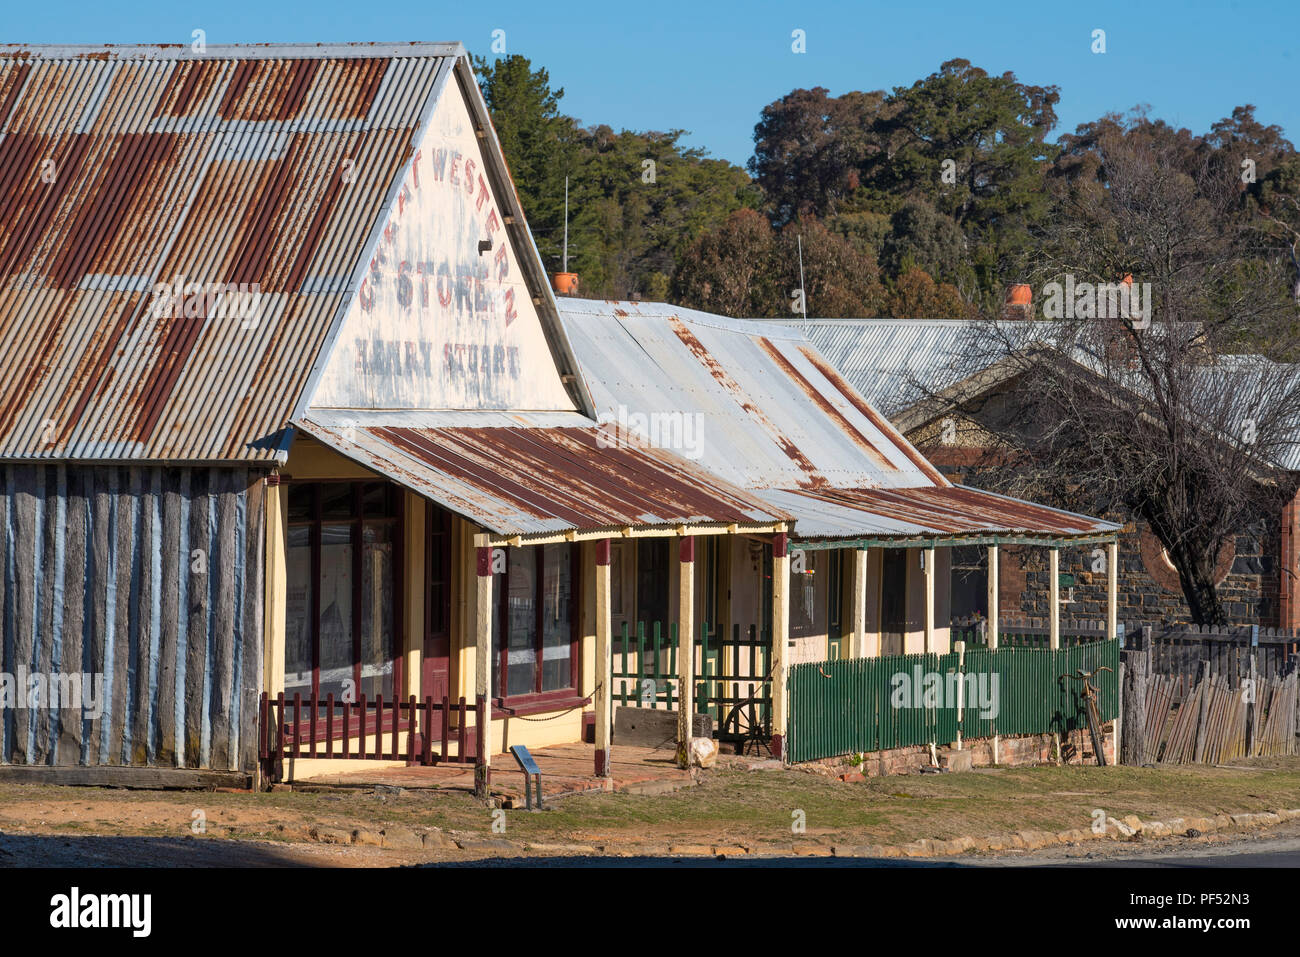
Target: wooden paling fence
{"x":1214,"y":719}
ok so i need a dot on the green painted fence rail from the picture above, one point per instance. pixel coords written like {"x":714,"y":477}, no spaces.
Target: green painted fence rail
{"x":732,"y":673}
{"x":850,"y":705}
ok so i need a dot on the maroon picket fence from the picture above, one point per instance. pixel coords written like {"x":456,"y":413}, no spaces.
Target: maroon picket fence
{"x":368,"y":730}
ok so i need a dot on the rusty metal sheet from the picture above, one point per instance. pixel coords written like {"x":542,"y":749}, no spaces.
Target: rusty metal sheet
{"x":123,"y":168}
{"x":771,"y":412}
{"x":563,"y":473}
{"x":926,"y":512}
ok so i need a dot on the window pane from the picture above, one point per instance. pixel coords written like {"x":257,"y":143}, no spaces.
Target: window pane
{"x":336,"y":500}
{"x":521,"y":623}
{"x":378,"y":500}
{"x":377,"y":611}
{"x":557,"y":607}
{"x":335,"y":609}
{"x":301,"y":499}
{"x":297,"y":639}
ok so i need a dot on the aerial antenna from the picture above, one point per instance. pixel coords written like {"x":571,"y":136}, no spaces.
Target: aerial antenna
{"x":803,"y":295}
{"x":565,"y":266}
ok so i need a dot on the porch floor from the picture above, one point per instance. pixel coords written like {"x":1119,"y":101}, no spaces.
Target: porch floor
{"x":566,"y":769}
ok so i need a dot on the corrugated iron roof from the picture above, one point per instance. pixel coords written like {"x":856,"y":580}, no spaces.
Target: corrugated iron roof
{"x":775,"y":417}
{"x":124,"y":167}
{"x":772,"y":413}
{"x":952,"y":512}
{"x":563,"y":473}
{"x":894,"y":362}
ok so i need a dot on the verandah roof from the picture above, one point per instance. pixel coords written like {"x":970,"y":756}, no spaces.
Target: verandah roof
{"x":841,"y":518}
{"x":530,"y":474}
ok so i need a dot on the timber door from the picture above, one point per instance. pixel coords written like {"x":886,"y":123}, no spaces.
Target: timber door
{"x":435,"y":680}
{"x":893,"y":600}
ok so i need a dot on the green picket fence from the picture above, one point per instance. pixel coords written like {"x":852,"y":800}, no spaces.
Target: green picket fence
{"x":871,"y":704}
{"x":731,"y":669}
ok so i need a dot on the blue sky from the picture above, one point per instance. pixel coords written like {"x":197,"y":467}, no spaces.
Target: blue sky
{"x":711,"y":67}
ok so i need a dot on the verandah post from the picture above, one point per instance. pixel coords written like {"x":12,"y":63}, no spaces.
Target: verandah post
{"x":483,"y":669}
{"x":927,"y":557}
{"x":1054,"y":597}
{"x":604,"y":659}
{"x":994,"y":605}
{"x":995,"y":611}
{"x":859,"y":649}
{"x":686,"y":652}
{"x":780,"y":640}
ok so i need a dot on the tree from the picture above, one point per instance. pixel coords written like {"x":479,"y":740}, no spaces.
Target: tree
{"x":1184,"y":415}
{"x":637,"y":200}
{"x":808,"y":150}
{"x":747,"y":269}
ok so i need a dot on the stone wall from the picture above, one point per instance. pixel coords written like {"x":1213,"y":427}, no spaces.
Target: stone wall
{"x":1148,"y":584}
{"x":1022,"y":751}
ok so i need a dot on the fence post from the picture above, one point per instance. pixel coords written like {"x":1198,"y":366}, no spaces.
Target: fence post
{"x":960,"y":648}
{"x":1135,"y":672}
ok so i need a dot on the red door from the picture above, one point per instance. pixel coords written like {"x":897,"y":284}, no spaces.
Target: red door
{"x":437,"y":603}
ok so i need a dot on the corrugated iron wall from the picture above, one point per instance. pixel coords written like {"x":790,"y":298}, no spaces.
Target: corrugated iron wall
{"x":151,"y":578}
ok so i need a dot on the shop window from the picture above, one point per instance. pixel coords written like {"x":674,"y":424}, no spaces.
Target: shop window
{"x":344,"y":578}
{"x":536,"y":631}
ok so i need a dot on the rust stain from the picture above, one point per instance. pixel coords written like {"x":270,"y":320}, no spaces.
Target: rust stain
{"x":886,"y":427}
{"x":814,"y":478}
{"x":961,"y":510}
{"x":135,"y":157}
{"x":825,"y":405}
{"x":585,"y":477}
{"x":11,"y":88}
{"x":189,"y":85}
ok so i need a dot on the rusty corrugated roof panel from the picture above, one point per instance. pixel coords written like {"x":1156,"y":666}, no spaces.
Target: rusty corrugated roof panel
{"x":778,"y":419}
{"x":125,"y":167}
{"x":772,"y":413}
{"x":565,"y":474}
{"x":954,"y":511}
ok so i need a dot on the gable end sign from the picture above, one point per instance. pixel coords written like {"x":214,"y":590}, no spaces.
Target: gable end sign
{"x":443,"y":317}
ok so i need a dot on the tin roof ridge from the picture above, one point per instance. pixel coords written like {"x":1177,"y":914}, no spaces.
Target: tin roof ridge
{"x":218,"y":51}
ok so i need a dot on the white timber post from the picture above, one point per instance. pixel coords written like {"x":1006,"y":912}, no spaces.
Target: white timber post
{"x":686,"y":651}
{"x":1054,"y":619}
{"x":1054,"y":597}
{"x":1112,"y":631}
{"x":995,"y":610}
{"x":483,"y":666}
{"x":991,"y":629}
{"x":780,"y":641}
{"x":859,"y":649}
{"x":604,"y":660}
{"x":1112,"y":590}
{"x":927,"y":556}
